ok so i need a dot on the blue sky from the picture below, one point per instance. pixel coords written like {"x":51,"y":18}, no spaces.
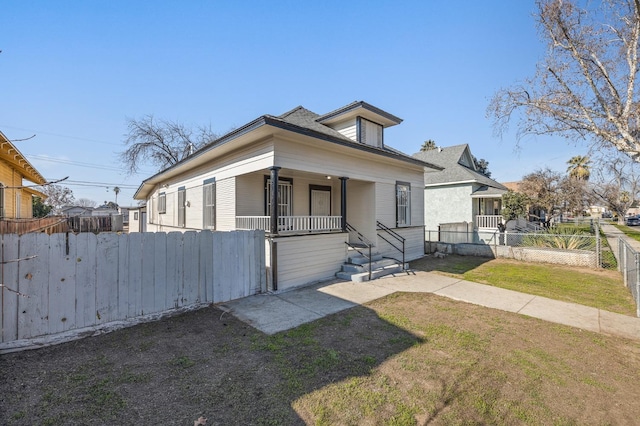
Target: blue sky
{"x":72,"y":72}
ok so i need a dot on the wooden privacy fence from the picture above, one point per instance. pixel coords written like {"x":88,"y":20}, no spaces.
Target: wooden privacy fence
{"x":64,"y":286}
{"x":49,"y":225}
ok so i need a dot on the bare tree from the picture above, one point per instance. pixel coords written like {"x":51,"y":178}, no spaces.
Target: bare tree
{"x":160,"y":142}
{"x":58,"y":196}
{"x":585,"y":87}
{"x":543,"y":189}
{"x":617,"y":182}
{"x":575,"y":195}
{"x":85,"y":202}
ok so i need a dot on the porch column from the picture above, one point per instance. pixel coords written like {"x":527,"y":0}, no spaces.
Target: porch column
{"x":343,"y":202}
{"x":274,"y":199}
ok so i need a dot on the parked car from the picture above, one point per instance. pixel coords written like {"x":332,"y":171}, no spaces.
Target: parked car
{"x":633,"y":221}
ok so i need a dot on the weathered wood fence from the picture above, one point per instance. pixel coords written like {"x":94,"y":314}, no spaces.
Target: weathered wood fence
{"x":49,"y":225}
{"x":69,"y":285}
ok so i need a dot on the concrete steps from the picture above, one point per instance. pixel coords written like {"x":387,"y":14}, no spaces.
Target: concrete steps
{"x":356,"y":268}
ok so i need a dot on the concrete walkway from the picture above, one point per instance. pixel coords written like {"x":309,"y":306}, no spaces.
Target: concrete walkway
{"x":272,"y":313}
{"x":612,"y":234}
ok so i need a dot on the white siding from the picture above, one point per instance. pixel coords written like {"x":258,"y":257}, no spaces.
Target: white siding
{"x":347,"y":162}
{"x":386,"y":203}
{"x":361,"y":207}
{"x":307,"y":259}
{"x":134,"y":224}
{"x":226,"y":204}
{"x":413,"y":245}
{"x":250,"y":194}
{"x":447,"y":205}
{"x":193,"y":211}
{"x":347,"y":128}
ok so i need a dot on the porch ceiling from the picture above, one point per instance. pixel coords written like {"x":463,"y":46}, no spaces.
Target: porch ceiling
{"x":301,"y":174}
{"x":488,"y":192}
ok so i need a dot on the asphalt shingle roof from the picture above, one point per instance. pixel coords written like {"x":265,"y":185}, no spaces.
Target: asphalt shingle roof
{"x":449,"y":159}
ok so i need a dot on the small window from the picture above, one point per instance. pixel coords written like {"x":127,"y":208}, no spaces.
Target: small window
{"x":403,"y":204}
{"x":162,"y":203}
{"x":182,"y":204}
{"x":209,"y":204}
{"x":135,"y":215}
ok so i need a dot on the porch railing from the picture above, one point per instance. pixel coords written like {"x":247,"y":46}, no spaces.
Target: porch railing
{"x":488,"y":221}
{"x":292,"y":223}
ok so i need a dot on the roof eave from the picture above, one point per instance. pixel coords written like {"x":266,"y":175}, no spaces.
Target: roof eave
{"x":267,"y":120}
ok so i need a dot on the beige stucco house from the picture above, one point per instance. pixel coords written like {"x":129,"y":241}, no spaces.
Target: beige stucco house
{"x":458,"y":192}
{"x":318,"y":184}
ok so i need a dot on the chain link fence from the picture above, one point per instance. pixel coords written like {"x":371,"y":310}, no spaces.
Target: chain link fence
{"x":629,"y":265}
{"x":569,"y":247}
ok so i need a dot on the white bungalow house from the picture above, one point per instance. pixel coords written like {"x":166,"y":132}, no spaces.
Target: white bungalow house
{"x":458,"y":192}
{"x":334,"y":180}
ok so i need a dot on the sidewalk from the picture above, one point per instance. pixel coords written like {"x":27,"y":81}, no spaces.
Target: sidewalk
{"x":272,"y":313}
{"x":612,"y":234}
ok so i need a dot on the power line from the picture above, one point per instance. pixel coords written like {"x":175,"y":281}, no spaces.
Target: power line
{"x":61,"y":136}
{"x":74,"y":163}
{"x":80,"y":164}
{"x":101,"y":184}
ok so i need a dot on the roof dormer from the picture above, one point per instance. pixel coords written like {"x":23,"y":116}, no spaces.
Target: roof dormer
{"x":360,"y":122}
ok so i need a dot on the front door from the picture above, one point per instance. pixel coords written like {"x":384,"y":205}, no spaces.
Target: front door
{"x":320,"y":200}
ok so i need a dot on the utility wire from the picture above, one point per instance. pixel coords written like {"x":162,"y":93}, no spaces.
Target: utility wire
{"x":61,"y":136}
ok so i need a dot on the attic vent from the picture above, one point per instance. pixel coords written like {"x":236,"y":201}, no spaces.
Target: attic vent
{"x":370,"y":133}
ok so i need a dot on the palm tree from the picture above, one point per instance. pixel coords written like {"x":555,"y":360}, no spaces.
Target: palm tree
{"x":117,"y":191}
{"x":579,"y":167}
{"x":428,"y":145}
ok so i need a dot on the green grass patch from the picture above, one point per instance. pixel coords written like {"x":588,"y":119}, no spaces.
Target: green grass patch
{"x":596,"y":288}
{"x":629,"y":231}
{"x":182,"y":361}
{"x":589,"y":288}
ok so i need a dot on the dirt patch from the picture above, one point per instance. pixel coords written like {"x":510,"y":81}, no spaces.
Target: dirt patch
{"x":404,"y":359}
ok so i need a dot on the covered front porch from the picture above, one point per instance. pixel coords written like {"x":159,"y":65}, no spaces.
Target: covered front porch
{"x":487,"y":205}
{"x":306,"y":203}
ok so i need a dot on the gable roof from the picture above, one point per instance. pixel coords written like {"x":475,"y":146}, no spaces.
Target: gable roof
{"x":11,"y":154}
{"x":458,"y":167}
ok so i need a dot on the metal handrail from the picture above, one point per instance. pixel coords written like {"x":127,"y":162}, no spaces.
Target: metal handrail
{"x":368,"y":244}
{"x":400,"y":238}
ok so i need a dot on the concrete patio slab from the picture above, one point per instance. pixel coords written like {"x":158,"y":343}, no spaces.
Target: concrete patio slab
{"x":358,"y":293}
{"x":269,"y":313}
{"x":319,"y":301}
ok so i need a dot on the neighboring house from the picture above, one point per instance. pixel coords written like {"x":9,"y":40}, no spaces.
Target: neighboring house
{"x":304,"y":178}
{"x":15,"y":192}
{"x":71,"y":211}
{"x":458,"y":192}
{"x":124,"y":211}
{"x":138,"y":219}
{"x":105,"y":210}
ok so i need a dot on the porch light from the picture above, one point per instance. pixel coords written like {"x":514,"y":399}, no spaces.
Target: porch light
{"x":328,"y":177}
